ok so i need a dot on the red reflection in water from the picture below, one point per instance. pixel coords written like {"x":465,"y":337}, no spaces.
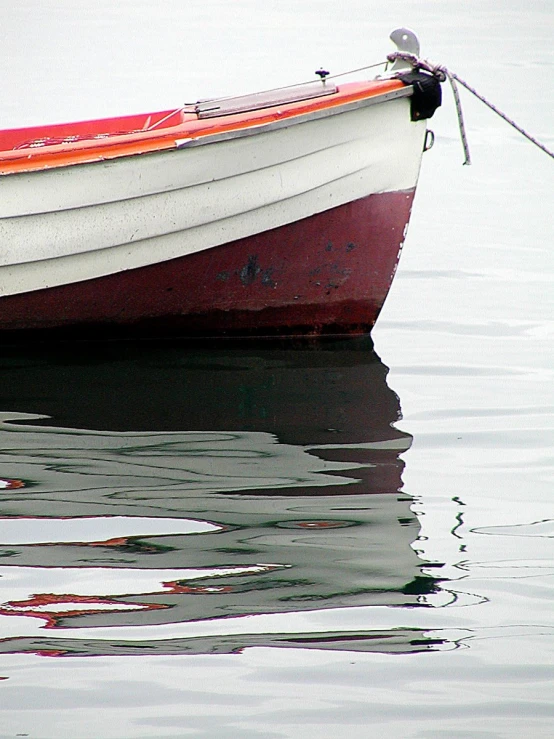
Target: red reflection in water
{"x":86,"y":605}
{"x":75,"y":605}
{"x":118,"y":541}
{"x":176,"y":587}
{"x":9,"y":484}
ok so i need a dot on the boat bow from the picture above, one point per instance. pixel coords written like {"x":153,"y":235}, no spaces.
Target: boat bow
{"x":280,"y":212}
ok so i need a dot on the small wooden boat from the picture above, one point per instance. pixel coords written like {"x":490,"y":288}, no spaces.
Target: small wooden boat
{"x":281,"y":213}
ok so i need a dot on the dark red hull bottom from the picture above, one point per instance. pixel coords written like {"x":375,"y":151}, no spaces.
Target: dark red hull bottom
{"x":326,"y":274}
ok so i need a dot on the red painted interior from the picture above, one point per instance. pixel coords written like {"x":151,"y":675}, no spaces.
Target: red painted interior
{"x":71,"y":143}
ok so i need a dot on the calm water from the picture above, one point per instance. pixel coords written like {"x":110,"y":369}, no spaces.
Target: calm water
{"x":266,"y":541}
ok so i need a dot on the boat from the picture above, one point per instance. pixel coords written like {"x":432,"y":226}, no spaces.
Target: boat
{"x":277,"y":213}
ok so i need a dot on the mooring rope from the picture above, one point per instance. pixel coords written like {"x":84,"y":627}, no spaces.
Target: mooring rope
{"x":501,"y":114}
{"x":442,"y":73}
{"x":460,"y":115}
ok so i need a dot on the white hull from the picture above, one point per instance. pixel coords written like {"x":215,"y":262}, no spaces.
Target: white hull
{"x":76,"y":223}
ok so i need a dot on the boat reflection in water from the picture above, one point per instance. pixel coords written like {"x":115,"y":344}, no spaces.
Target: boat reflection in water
{"x":153,"y":495}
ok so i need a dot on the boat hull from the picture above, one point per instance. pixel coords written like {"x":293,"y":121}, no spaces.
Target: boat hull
{"x":328,"y":273}
{"x":290,"y":227}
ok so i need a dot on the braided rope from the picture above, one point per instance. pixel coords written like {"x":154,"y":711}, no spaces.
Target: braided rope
{"x":461,"y":125}
{"x":501,"y":114}
{"x":442,"y":73}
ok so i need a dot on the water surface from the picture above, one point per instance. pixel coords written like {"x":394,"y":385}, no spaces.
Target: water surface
{"x":283,"y":541}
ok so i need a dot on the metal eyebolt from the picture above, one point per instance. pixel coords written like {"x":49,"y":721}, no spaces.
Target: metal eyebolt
{"x":429,"y":140}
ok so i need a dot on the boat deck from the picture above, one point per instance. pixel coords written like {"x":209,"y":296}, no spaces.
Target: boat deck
{"x":62,"y":144}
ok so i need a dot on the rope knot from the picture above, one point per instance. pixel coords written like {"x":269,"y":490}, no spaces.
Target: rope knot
{"x":419,"y":64}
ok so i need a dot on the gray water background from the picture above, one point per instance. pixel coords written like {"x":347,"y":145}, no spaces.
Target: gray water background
{"x":467,"y":333}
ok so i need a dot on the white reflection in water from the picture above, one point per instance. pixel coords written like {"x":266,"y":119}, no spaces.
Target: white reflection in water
{"x":94,"y":528}
{"x":129,"y":464}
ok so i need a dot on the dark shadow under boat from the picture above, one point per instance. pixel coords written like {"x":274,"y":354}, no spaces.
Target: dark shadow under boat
{"x":251,"y":480}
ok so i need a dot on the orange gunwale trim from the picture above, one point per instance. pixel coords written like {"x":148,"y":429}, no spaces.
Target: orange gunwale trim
{"x":112,"y":146}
